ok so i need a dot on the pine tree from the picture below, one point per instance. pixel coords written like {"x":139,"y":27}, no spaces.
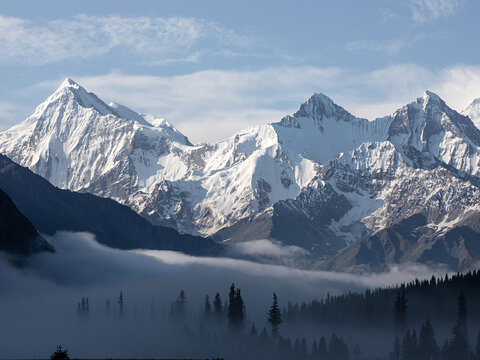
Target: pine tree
{"x":240,"y":308}
{"x":427,"y":345}
{"x":275,"y":316}
{"x":458,"y":347}
{"x":217,"y":304}
{"x":207,"y":306}
{"x":400,"y":313}
{"x":120,"y":304}
{"x":337,"y":349}
{"x":60,"y":354}
{"x":83,"y":307}
{"x":231,"y":307}
{"x":179,"y":306}
{"x":322,"y":349}
{"x":462,"y":314}
{"x":236,"y":308}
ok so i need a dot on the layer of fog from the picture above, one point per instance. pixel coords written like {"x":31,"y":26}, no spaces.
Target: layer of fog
{"x":38,"y":302}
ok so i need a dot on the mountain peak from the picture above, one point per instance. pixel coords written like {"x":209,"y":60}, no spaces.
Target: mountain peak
{"x":68,"y":82}
{"x":320,"y":106}
{"x":69,"y":91}
{"x":71,"y":85}
{"x":429,"y":96}
{"x":320,"y":97}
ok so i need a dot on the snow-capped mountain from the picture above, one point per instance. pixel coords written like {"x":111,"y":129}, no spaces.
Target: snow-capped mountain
{"x":76,"y":141}
{"x":321,"y":178}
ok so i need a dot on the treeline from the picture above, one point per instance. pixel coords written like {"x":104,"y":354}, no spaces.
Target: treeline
{"x":435,"y":299}
{"x":431,"y":319}
{"x":222,"y":325}
{"x":424,"y":345}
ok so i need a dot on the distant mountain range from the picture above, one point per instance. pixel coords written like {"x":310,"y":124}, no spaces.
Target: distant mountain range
{"x":357,"y":194}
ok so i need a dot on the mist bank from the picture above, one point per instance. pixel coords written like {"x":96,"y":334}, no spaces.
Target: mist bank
{"x":39,"y":300}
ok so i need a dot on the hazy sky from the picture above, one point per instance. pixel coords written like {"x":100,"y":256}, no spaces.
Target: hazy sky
{"x":214,"y":67}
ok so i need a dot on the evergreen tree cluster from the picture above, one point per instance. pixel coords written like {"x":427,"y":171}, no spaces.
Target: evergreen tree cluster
{"x":407,"y":316}
{"x":284,"y":348}
{"x":410,"y":303}
{"x":236,"y":308}
{"x":83,"y":307}
{"x":424,"y":345}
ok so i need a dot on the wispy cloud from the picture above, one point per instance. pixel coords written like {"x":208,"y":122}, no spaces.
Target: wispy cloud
{"x":427,"y":10}
{"x":83,"y":37}
{"x":390,"y":47}
{"x":387,"y":47}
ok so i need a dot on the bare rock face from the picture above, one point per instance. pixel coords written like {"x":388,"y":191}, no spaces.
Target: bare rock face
{"x":322,"y":179}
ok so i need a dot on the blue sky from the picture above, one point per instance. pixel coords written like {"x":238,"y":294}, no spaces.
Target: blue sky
{"x":214,"y":67}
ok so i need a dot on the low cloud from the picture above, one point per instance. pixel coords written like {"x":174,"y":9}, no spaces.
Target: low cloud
{"x":266,"y":247}
{"x":267,"y":251}
{"x":47,"y":290}
{"x":81,"y":261}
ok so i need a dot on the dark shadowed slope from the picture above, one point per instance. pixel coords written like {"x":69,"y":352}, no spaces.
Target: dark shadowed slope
{"x":17,"y":234}
{"x":409,"y":241}
{"x":51,"y":209}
